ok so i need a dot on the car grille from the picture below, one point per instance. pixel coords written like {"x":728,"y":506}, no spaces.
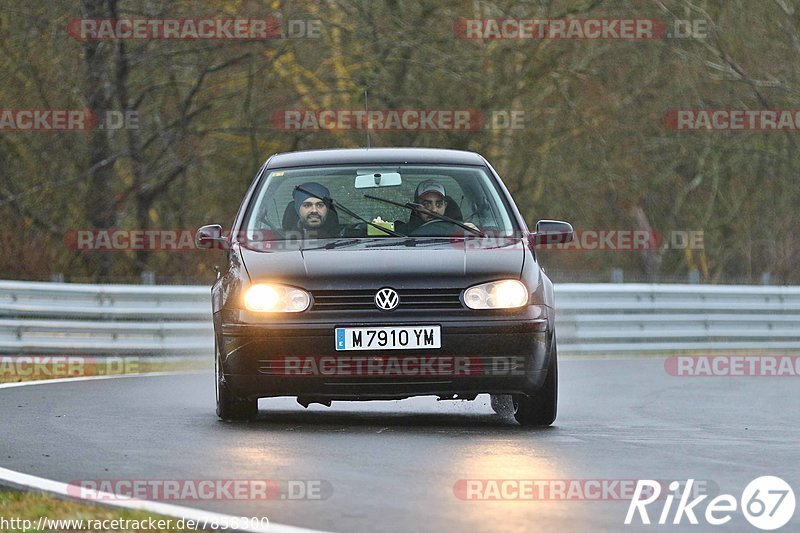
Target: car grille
{"x":410,"y":299}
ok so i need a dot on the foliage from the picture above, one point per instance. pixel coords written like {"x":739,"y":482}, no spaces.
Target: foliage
{"x":593,"y":151}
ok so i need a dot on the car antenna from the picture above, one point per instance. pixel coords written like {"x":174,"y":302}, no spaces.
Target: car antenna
{"x":366,"y":115}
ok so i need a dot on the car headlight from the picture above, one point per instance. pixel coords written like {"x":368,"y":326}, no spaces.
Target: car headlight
{"x":273,"y":298}
{"x":505,"y":294}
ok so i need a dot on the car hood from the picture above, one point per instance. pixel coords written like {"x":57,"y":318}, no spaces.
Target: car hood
{"x":367,"y":263}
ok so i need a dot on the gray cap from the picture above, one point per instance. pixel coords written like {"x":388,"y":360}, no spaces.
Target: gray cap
{"x":429,"y":186}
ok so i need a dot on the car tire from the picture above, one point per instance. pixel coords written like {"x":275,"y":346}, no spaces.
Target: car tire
{"x":229,"y":406}
{"x":541,"y":408}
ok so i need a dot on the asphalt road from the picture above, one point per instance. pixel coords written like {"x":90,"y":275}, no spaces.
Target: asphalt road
{"x":396,"y":466}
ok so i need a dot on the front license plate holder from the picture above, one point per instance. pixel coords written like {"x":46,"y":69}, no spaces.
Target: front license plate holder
{"x":424,"y":337}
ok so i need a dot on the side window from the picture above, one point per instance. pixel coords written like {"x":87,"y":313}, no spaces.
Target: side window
{"x":269,"y":211}
{"x":483,"y":209}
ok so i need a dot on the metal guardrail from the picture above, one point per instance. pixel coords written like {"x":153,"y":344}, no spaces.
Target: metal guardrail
{"x":66,"y":319}
{"x":615,"y":318}
{"x":63,"y":318}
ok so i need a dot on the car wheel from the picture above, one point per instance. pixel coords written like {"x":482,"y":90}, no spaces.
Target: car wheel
{"x":229,"y":406}
{"x":540,"y":409}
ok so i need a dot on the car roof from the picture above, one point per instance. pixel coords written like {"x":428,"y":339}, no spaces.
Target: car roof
{"x":359,"y":156}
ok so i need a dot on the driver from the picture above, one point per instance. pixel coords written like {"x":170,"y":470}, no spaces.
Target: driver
{"x":314,"y":216}
{"x":432,"y":196}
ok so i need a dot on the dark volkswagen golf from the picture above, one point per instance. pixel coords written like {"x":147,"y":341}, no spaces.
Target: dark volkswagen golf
{"x":370,"y":274}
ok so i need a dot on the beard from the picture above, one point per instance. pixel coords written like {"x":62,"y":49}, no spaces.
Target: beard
{"x":313,"y":221}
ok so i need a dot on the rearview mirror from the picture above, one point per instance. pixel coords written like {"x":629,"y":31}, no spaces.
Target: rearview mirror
{"x":551,"y":232}
{"x":378,"y":179}
{"x":209,"y":236}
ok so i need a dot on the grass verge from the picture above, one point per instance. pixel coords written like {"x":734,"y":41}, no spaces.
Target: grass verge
{"x":37,"y":367}
{"x":21,"y":509}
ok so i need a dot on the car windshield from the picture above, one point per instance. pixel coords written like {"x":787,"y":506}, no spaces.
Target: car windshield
{"x":466,"y":194}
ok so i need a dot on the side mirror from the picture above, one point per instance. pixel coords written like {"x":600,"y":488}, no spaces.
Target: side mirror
{"x":210,"y":237}
{"x":551,"y":232}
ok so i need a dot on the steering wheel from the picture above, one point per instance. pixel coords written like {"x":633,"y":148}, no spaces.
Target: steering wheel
{"x":433,"y":228}
{"x":359,"y":229}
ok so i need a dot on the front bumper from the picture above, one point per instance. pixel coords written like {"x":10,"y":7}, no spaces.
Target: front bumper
{"x":489,"y":354}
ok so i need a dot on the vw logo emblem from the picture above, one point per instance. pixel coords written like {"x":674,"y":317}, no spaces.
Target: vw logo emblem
{"x":387,"y":299}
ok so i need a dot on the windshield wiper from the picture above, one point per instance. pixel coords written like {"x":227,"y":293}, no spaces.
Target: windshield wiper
{"x":338,"y":243}
{"x":331,"y":203}
{"x":409,"y":242}
{"x":417,"y":208}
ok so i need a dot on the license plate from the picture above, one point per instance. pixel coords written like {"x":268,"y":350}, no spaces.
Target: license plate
{"x":389,"y":338}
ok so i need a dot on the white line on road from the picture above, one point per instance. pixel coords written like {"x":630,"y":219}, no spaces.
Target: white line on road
{"x":25,"y":481}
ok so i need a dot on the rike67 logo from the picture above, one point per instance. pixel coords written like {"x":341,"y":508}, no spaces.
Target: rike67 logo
{"x":767,"y":502}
